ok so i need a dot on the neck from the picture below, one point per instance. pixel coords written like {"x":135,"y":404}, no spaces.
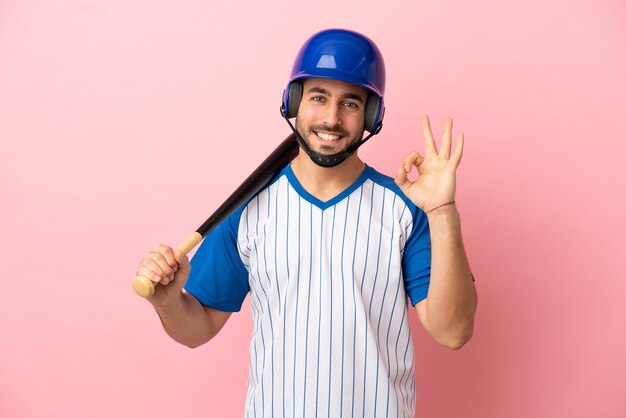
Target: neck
{"x":326,"y":182}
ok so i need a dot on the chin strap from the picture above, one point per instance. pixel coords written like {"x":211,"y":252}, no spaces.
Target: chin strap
{"x":333,"y":159}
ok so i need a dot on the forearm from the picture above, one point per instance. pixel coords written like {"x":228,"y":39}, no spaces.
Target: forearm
{"x":451,"y":301}
{"x":187,"y":321}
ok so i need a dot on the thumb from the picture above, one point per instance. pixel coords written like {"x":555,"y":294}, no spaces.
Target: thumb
{"x":402,"y":180}
{"x":184,"y":267}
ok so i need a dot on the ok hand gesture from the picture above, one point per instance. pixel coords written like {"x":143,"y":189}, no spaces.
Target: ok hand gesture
{"x":436,"y":184}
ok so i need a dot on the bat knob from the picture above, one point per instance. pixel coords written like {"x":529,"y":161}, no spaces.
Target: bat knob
{"x":143,"y":286}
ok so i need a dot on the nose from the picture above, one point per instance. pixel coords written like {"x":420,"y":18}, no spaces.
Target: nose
{"x":332,"y":115}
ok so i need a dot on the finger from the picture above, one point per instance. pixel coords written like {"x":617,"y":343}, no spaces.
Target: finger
{"x":407,"y":163}
{"x":162,"y":262}
{"x":147,"y":271}
{"x":168,"y":253}
{"x":164,"y":268}
{"x":429,"y":142}
{"x":458,"y":150}
{"x":413,"y":159}
{"x":446,"y":141}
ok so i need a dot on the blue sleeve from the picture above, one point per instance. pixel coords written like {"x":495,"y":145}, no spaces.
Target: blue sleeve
{"x":218,"y":278}
{"x":416,"y":259}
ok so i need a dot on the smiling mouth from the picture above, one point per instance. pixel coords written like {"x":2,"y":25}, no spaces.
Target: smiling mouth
{"x":328,"y":136}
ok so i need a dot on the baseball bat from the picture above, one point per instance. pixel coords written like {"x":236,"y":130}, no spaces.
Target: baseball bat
{"x":264,"y":173}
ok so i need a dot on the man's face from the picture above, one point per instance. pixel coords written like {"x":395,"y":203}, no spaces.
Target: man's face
{"x":331,"y":114}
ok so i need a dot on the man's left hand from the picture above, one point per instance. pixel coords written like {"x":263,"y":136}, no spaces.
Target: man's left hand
{"x":436,"y":183}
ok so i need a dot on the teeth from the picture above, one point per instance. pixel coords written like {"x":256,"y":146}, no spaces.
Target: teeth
{"x":328,"y":137}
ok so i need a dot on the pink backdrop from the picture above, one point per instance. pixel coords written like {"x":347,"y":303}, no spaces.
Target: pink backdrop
{"x":124,"y":124}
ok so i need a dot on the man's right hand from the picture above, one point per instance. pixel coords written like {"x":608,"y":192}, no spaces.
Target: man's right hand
{"x":168,"y":269}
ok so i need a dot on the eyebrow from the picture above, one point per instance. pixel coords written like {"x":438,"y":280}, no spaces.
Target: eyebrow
{"x":322,"y":90}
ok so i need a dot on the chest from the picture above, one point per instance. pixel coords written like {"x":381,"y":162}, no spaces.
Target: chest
{"x":358,"y":239}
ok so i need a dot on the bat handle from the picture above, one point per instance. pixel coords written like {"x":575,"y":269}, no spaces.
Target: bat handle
{"x":144,"y":287}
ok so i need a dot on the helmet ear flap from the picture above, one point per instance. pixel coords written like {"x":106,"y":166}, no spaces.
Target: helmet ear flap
{"x":294,"y":97}
{"x":373,"y":114}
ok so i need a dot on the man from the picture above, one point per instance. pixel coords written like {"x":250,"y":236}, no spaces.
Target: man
{"x":329,"y":253}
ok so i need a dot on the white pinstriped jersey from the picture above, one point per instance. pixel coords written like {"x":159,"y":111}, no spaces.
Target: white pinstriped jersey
{"x":328,"y":285}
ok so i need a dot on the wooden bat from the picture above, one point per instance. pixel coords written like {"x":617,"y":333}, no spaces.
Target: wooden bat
{"x":264,"y":173}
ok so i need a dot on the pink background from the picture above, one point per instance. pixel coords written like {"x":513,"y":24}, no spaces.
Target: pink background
{"x":125,"y":124}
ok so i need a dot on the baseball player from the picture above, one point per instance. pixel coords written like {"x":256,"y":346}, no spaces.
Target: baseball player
{"x":332,"y":253}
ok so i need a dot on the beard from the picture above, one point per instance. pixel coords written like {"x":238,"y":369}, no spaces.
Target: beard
{"x":307,"y":132}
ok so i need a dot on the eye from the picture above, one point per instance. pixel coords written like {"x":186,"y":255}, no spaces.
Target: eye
{"x":317,"y":98}
{"x":352,"y":105}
